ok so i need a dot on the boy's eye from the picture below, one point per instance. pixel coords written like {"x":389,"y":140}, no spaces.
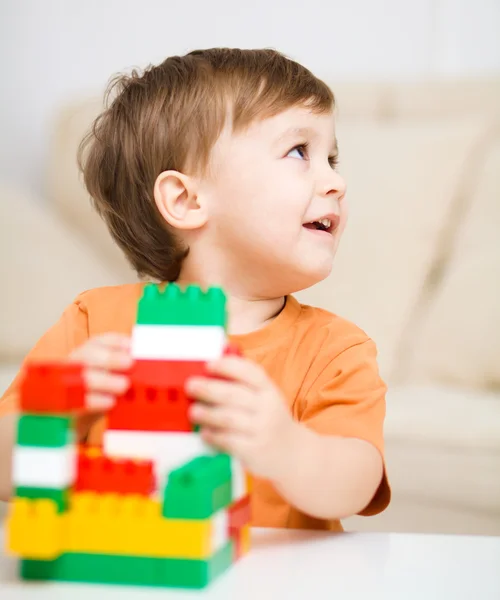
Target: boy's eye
{"x":334,"y":161}
{"x":300,"y":151}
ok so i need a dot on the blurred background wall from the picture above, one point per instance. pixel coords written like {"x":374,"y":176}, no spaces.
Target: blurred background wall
{"x":418,"y":99}
{"x":56,"y":49}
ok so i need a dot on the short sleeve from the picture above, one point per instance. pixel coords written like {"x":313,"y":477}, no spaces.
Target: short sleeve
{"x":347,"y":399}
{"x":68,"y":333}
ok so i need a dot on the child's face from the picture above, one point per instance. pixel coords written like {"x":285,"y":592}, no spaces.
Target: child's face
{"x":270,"y":183}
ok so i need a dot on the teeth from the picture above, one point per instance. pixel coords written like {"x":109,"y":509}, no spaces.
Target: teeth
{"x":326,"y":222}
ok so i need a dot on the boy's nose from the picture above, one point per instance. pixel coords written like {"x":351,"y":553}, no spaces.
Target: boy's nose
{"x":334,"y":185}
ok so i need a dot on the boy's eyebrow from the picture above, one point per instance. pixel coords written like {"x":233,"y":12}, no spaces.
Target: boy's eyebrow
{"x":308,"y":132}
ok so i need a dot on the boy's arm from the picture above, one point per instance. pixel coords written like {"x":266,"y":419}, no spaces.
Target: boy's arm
{"x":337,"y":464}
{"x":68,"y":333}
{"x":330,"y":477}
{"x":328,"y":460}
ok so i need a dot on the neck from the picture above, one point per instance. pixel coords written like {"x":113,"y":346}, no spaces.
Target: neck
{"x":246,"y":313}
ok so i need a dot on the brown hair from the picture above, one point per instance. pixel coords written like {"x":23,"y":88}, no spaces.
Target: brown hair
{"x":169,"y":117}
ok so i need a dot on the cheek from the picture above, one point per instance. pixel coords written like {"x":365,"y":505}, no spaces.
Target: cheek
{"x":268,"y":199}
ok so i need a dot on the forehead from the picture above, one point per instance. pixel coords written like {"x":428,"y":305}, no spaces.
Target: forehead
{"x":294,"y":125}
{"x":294,"y":122}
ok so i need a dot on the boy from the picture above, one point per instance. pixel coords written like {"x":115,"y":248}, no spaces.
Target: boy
{"x":218,"y":168}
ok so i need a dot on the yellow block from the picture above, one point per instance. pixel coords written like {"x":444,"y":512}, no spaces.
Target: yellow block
{"x":34,"y":529}
{"x":249,"y":482}
{"x":245,"y":539}
{"x":113,"y":524}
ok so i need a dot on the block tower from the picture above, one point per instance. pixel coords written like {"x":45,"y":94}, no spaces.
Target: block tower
{"x":154,"y":505}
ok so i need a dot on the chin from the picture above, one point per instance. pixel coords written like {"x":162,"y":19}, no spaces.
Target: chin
{"x":313,"y":275}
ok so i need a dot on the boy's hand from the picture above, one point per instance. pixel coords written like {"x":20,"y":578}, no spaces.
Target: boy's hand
{"x":244,"y":415}
{"x":103,"y":358}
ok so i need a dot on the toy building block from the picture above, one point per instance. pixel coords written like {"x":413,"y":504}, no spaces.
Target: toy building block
{"x":241,"y":541}
{"x":35,"y":466}
{"x":148,"y":407}
{"x":195,"y":573}
{"x":34,"y":529}
{"x":102,"y":474}
{"x":130,"y":570}
{"x":239,"y":513}
{"x":232,"y":350}
{"x":178,"y":342}
{"x":51,"y":387}
{"x":134,"y":525}
{"x":43,"y":462}
{"x":165,"y":373}
{"x":176,"y":306}
{"x":198,"y":489}
{"x":239,"y":481}
{"x":45,"y":430}
{"x":156,"y":505}
{"x":59,"y":496}
{"x":168,"y":450}
{"x":239,"y":517}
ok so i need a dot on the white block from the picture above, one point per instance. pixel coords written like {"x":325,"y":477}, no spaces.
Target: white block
{"x":220,"y":531}
{"x":178,"y":342}
{"x":238,"y":479}
{"x":34,"y":466}
{"x":169,"y":450}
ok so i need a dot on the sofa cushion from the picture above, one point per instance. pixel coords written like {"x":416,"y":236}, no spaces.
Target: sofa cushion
{"x":65,"y":185}
{"x":402,"y":181}
{"x":44,"y":266}
{"x":442,"y":98}
{"x":457,"y":339}
{"x":443,"y":446}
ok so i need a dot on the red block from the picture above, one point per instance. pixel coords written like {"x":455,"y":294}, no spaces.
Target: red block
{"x":235,"y":536}
{"x":52,"y":387}
{"x":102,"y":474}
{"x":156,"y":400}
{"x":240,"y":540}
{"x":232,"y":350}
{"x":239,"y":513}
{"x":166,"y":373}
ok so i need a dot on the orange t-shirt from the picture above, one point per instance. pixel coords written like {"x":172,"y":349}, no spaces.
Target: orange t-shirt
{"x":325,"y":366}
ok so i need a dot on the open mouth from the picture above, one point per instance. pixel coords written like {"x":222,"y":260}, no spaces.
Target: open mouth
{"x":327,"y":224}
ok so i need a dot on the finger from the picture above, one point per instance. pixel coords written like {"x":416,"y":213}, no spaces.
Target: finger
{"x":239,"y":369}
{"x":99,"y":402}
{"x":104,"y":357}
{"x":220,"y":417}
{"x":225,"y":440}
{"x":103,"y":381}
{"x":214,"y":391}
{"x":114,"y":340}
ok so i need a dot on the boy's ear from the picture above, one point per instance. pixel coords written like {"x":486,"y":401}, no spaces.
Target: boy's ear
{"x":176,"y":197}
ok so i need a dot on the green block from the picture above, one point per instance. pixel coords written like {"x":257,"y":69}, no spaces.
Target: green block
{"x":130,"y":570}
{"x":175,"y":306}
{"x":199,"y":488}
{"x":195,"y":573}
{"x":60,"y":497}
{"x":46,"y":431}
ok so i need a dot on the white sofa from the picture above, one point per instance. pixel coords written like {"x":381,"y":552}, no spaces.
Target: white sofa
{"x":418,"y":269}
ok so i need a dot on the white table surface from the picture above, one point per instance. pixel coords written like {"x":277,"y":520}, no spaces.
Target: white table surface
{"x":288,"y":565}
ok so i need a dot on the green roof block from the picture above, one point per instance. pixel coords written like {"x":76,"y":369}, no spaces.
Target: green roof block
{"x":60,"y":497}
{"x":176,"y":306}
{"x":46,"y":431}
{"x":199,"y":488}
{"x":130,"y":570}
